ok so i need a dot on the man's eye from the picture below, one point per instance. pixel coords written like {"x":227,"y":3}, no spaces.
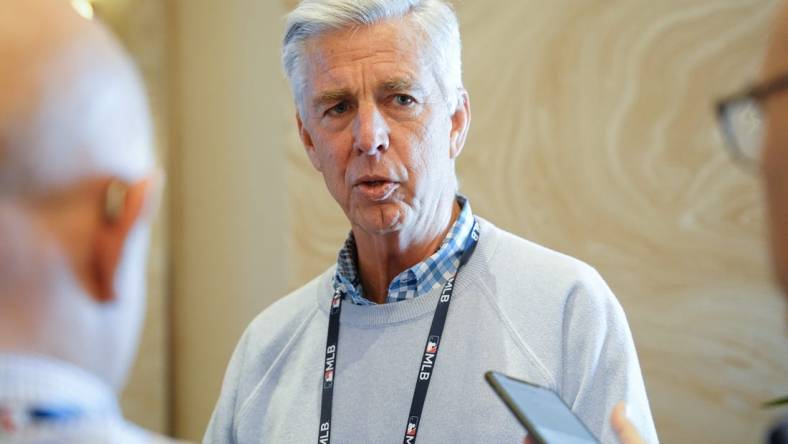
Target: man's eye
{"x":404,"y":100}
{"x":340,"y":108}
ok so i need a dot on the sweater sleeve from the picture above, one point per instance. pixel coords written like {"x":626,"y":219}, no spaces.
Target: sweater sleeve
{"x":221,"y":428}
{"x":601,"y":365}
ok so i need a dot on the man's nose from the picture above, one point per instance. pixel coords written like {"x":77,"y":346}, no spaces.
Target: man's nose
{"x":370,"y":132}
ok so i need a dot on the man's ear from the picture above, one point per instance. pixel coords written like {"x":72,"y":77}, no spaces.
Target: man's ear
{"x":309,"y":145}
{"x":460,"y":122}
{"x":125,"y":206}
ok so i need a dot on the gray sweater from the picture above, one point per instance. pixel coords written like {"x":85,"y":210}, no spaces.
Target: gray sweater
{"x":518,"y":308}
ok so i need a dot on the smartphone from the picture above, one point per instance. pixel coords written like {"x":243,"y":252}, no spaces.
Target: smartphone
{"x":544,"y":414}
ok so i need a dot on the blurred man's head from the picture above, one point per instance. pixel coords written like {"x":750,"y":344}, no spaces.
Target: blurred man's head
{"x":775,"y":155}
{"x":76,"y":170}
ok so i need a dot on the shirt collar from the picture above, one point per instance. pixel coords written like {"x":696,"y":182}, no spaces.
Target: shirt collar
{"x":36,"y":387}
{"x":416,"y":280}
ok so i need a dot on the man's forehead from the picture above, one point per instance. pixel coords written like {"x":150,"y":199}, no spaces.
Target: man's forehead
{"x":374,"y":76}
{"x":325,"y":93}
{"x":402,"y":81}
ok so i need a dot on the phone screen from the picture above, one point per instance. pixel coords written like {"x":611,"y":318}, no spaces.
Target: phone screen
{"x":541,"y":410}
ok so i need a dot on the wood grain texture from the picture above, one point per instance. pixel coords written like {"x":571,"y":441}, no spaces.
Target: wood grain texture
{"x":593,"y":133}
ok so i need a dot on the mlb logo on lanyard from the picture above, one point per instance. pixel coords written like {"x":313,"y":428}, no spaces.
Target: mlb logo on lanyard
{"x":328,"y":373}
{"x":432,"y":344}
{"x":428,"y":361}
{"x":336,"y":301}
{"x":413,"y":425}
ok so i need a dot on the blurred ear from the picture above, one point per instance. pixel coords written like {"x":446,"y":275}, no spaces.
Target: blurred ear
{"x":460,"y":122}
{"x":125,"y":206}
{"x":309,"y":145}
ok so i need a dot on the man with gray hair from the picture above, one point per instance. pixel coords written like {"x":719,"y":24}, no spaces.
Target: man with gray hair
{"x":353,"y":355}
{"x":77,"y":190}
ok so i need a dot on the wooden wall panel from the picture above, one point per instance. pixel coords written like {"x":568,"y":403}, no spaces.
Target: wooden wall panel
{"x":593,"y":134}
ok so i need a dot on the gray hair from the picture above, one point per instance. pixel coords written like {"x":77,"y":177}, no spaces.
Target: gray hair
{"x":435,"y":18}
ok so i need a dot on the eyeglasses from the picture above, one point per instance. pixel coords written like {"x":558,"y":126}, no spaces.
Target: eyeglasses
{"x":741,"y":119}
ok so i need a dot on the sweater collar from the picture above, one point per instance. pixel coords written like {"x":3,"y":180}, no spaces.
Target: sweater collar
{"x":417,"y":280}
{"x":469,"y":280}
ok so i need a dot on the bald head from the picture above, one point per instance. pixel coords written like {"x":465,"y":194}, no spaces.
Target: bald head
{"x":775,"y":150}
{"x":76,"y":170}
{"x":71,"y":104}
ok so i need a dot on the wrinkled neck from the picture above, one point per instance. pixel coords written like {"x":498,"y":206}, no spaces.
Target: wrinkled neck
{"x":381,"y":258}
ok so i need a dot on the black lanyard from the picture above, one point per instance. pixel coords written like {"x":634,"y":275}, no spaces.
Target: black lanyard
{"x":427,"y":362}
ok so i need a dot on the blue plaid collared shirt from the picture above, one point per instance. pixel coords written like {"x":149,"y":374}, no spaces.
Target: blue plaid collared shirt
{"x":416,"y":280}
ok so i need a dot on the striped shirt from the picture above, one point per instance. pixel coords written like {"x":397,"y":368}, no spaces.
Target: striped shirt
{"x":417,"y":280}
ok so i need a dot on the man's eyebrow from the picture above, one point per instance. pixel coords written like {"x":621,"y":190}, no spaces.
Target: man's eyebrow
{"x":331,"y":96}
{"x":400,"y":84}
{"x":391,"y":85}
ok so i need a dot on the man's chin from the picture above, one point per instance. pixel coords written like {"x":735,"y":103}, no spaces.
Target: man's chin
{"x":379,"y":220}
